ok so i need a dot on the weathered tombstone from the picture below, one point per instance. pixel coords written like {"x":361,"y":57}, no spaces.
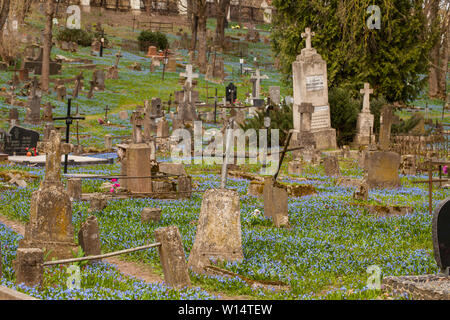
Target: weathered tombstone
{"x":33,"y":114}
{"x":219,"y":230}
{"x":99,"y":79}
{"x":361,"y":192}
{"x":441,"y":235}
{"x":61,"y":92}
{"x":74,"y":187}
{"x":331,"y":166}
{"x":89,"y":237}
{"x":386,"y":120}
{"x":123,"y":115}
{"x":78,"y":85}
{"x":152,"y":51}
{"x":295,"y":167}
{"x":274,"y":94}
{"x":50,"y":224}
{"x":150,"y":214}
{"x":172,"y":257}
{"x":276,"y":202}
{"x":184,"y":187}
{"x":13,"y":116}
{"x":97,"y":203}
{"x":108,"y":141}
{"x":382,"y":169}
{"x":171,"y":65}
{"x":311,"y":86}
{"x":162,"y":130}
{"x":28,"y":266}
{"x":47,"y":115}
{"x":20,"y":139}
{"x":408,"y":165}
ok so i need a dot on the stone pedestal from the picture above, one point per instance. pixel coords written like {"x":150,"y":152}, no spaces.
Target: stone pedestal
{"x":28,"y":266}
{"x":276,"y":202}
{"x":364,"y":127}
{"x":219,"y":230}
{"x":50,"y":225}
{"x":382,"y":169}
{"x":311,"y":86}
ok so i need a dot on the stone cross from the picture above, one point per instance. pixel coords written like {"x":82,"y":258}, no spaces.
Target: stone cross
{"x":189,"y":75}
{"x":53,"y":148}
{"x":367,"y":92}
{"x":257,"y":77}
{"x":308,"y":34}
{"x":118,"y":56}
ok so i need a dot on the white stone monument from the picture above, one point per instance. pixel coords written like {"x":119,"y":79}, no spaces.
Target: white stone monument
{"x":364,"y":126}
{"x":135,"y":6}
{"x":311,"y":86}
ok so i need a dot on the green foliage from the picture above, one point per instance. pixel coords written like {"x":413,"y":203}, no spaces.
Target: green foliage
{"x":392,"y":59}
{"x":280,"y":118}
{"x":148,"y":38}
{"x":81,"y":37}
{"x":407,"y":125}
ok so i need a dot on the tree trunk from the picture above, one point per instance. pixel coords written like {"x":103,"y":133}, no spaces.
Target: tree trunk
{"x":202,"y":36}
{"x":444,"y":57}
{"x":434,"y":54}
{"x":4,"y":12}
{"x":47,"y":48}
{"x":221,"y":17}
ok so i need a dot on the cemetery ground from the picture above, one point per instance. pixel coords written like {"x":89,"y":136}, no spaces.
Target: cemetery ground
{"x":324,"y":254}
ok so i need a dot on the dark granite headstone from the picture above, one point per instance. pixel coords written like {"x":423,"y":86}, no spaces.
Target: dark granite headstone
{"x":441,"y":234}
{"x":231,"y":93}
{"x":259,"y":103}
{"x":19,"y":139}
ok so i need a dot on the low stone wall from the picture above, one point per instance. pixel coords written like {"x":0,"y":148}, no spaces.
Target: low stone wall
{"x":10,"y":294}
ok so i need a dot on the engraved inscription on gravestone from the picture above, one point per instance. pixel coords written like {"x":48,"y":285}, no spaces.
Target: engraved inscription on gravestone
{"x":314,"y":83}
{"x":20,"y":139}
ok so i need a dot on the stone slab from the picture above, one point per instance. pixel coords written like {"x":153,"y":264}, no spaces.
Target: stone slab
{"x":73,"y":160}
{"x":10,"y":294}
{"x":423,"y":287}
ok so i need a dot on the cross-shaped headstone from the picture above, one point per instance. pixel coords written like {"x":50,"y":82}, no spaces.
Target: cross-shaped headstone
{"x":189,"y":75}
{"x":257,"y":77}
{"x":69,"y":120}
{"x":367,"y":92}
{"x":308,"y":34}
{"x":53,"y":148}
{"x":118,"y":56}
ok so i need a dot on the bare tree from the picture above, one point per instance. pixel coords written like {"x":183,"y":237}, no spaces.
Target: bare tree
{"x":47,"y":48}
{"x":222,"y":7}
{"x":4,"y":12}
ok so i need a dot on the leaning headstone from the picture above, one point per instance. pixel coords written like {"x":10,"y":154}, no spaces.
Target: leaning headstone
{"x":173,"y":260}
{"x":150,"y":214}
{"x":89,"y":237}
{"x":441,"y":235}
{"x":28,"y":266}
{"x":219,"y":230}
{"x":331,"y":165}
{"x":276,"y":202}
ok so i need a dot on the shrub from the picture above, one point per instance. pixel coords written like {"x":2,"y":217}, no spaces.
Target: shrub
{"x":148,"y":38}
{"x":81,"y":37}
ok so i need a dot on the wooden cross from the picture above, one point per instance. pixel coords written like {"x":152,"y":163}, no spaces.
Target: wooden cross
{"x":69,"y":120}
{"x":189,"y":75}
{"x":367,"y":92}
{"x":53,"y":149}
{"x":308,"y":34}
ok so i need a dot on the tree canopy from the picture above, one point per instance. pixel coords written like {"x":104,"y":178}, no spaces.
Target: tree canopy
{"x":393,"y":59}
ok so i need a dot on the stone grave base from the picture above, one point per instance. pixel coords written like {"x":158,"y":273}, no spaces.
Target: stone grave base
{"x":424,"y":287}
{"x":325,"y":139}
{"x":73,"y":160}
{"x":386,"y":210}
{"x":348,"y":182}
{"x":54,"y":249}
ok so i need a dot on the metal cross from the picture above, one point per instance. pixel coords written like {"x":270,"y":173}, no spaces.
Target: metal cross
{"x":69,"y":120}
